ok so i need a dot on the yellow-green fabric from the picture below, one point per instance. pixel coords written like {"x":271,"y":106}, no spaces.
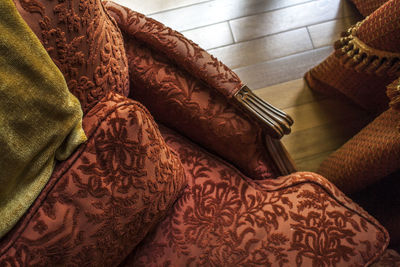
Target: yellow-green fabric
{"x":40,"y":120}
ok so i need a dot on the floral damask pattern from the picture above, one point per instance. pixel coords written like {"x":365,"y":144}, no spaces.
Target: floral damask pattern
{"x":183,"y":99}
{"x":226,"y":219}
{"x":178,"y":49}
{"x":104,"y":200}
{"x":100,"y":204}
{"x":85,"y":44}
{"x":183,"y":102}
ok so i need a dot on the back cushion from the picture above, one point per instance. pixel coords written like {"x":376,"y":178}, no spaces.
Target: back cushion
{"x":102,"y":201}
{"x":85,"y":44}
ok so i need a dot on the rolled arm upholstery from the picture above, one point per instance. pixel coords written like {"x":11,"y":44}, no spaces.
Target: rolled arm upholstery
{"x":190,"y":90}
{"x":201,"y":64}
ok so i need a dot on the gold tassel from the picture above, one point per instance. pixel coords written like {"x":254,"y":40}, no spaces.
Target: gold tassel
{"x":353,"y":53}
{"x":393,"y":92}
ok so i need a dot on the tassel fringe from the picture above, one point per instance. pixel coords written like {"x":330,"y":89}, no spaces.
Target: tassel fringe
{"x":355,"y":54}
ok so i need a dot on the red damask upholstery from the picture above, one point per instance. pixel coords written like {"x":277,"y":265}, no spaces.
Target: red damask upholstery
{"x":191,"y":98}
{"x":102,"y":202}
{"x":227,"y":219}
{"x":84,"y":43}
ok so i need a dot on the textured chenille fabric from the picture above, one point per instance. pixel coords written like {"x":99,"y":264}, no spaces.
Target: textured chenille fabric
{"x":365,"y":67}
{"x":40,"y":120}
{"x":366,"y":7}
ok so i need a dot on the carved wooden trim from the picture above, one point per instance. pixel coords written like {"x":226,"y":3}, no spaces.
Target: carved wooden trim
{"x":280,"y":156}
{"x":275,"y":122}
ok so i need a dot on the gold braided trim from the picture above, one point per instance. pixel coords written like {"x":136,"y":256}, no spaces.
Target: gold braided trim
{"x":354,"y":53}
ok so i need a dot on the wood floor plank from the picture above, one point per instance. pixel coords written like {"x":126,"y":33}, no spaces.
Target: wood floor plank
{"x":317,"y":140}
{"x":154,"y":6}
{"x":349,"y":10}
{"x":288,"y":94}
{"x":251,"y":27}
{"x":283,"y":69}
{"x":327,"y":33}
{"x":263,"y":49}
{"x":323,"y":112}
{"x":218,"y":11}
{"x":211,"y":36}
{"x":312,"y":163}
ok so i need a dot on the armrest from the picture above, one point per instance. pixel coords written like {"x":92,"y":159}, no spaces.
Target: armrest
{"x":190,"y":91}
{"x":202,"y":65}
{"x":277,"y":123}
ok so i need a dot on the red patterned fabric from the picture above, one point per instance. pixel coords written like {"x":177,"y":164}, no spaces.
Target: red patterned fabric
{"x":226,"y":219}
{"x":180,"y":99}
{"x":85,"y":44}
{"x":99,"y":204}
{"x":176,"y":48}
{"x":102,"y":202}
{"x":366,"y":7}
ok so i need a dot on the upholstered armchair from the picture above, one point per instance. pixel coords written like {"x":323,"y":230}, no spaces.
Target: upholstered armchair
{"x":182,"y":166}
{"x":365,"y":69}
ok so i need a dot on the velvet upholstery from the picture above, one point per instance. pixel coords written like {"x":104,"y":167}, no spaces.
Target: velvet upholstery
{"x":226,"y":219}
{"x":101,"y":203}
{"x":84,"y":43}
{"x":123,"y":180}
{"x":189,"y":90}
{"x":40,"y":120}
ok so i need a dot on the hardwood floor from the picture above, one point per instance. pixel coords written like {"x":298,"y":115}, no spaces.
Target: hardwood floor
{"x":271,"y":44}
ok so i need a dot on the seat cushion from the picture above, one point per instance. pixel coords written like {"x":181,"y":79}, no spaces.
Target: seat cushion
{"x":101,"y":202}
{"x":226,"y":219}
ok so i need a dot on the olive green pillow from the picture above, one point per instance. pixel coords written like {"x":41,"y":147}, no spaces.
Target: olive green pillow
{"x":40,"y":120}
